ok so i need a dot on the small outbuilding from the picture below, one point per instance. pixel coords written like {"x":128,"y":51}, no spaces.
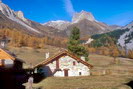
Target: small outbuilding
{"x":64,"y":64}
{"x":9,"y":60}
{"x":11,"y":71}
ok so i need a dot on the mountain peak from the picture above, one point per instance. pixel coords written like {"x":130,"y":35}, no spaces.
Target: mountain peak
{"x":18,"y":18}
{"x":21,"y":15}
{"x":83,"y":15}
{"x":85,"y":12}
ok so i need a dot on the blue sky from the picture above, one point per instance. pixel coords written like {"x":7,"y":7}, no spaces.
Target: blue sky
{"x":118,"y":12}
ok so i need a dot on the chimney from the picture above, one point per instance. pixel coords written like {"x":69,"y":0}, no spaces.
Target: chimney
{"x":47,"y":55}
{"x":83,"y":58}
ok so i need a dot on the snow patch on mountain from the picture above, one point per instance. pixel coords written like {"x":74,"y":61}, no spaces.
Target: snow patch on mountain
{"x":59,"y":24}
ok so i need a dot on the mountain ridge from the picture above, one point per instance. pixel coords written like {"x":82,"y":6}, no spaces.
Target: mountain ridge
{"x":85,"y":21}
{"x":16,"y":20}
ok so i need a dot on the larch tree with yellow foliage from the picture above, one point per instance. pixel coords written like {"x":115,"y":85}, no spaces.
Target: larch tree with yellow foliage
{"x":115,"y":54}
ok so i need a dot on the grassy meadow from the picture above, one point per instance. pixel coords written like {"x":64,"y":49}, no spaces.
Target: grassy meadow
{"x":105,"y":75}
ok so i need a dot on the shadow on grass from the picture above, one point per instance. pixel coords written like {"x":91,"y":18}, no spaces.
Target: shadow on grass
{"x":130,"y":84}
{"x":38,"y":77}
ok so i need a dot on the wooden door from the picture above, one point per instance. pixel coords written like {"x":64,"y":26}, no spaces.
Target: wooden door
{"x":66,"y":72}
{"x":3,"y":63}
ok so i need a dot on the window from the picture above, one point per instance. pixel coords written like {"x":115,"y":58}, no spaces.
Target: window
{"x":80,"y":73}
{"x":74,"y":63}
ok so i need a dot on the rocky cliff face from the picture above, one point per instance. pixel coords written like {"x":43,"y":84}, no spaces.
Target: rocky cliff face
{"x":16,"y":20}
{"x":20,"y":15}
{"x":7,"y":11}
{"x":15,"y":16}
{"x":81,"y":16}
{"x":126,"y":39}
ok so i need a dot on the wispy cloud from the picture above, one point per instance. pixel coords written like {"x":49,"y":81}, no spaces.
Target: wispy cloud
{"x":69,"y":7}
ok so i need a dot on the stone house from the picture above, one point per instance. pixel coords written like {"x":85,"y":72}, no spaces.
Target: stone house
{"x":64,"y":64}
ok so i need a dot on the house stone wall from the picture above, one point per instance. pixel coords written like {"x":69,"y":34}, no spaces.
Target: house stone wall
{"x":66,"y":62}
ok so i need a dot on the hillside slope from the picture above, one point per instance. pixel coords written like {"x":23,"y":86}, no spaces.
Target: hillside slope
{"x":16,"y":20}
{"x":107,"y":39}
{"x":126,"y":39}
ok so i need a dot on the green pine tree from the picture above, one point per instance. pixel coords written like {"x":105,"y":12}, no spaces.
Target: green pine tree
{"x":74,"y":44}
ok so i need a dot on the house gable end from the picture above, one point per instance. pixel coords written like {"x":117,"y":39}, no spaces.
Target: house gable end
{"x":61,"y":54}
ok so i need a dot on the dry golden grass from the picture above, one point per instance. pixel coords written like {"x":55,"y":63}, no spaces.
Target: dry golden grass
{"x":33,"y":56}
{"x":90,"y":82}
{"x":120,"y":73}
{"x":111,"y":81}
